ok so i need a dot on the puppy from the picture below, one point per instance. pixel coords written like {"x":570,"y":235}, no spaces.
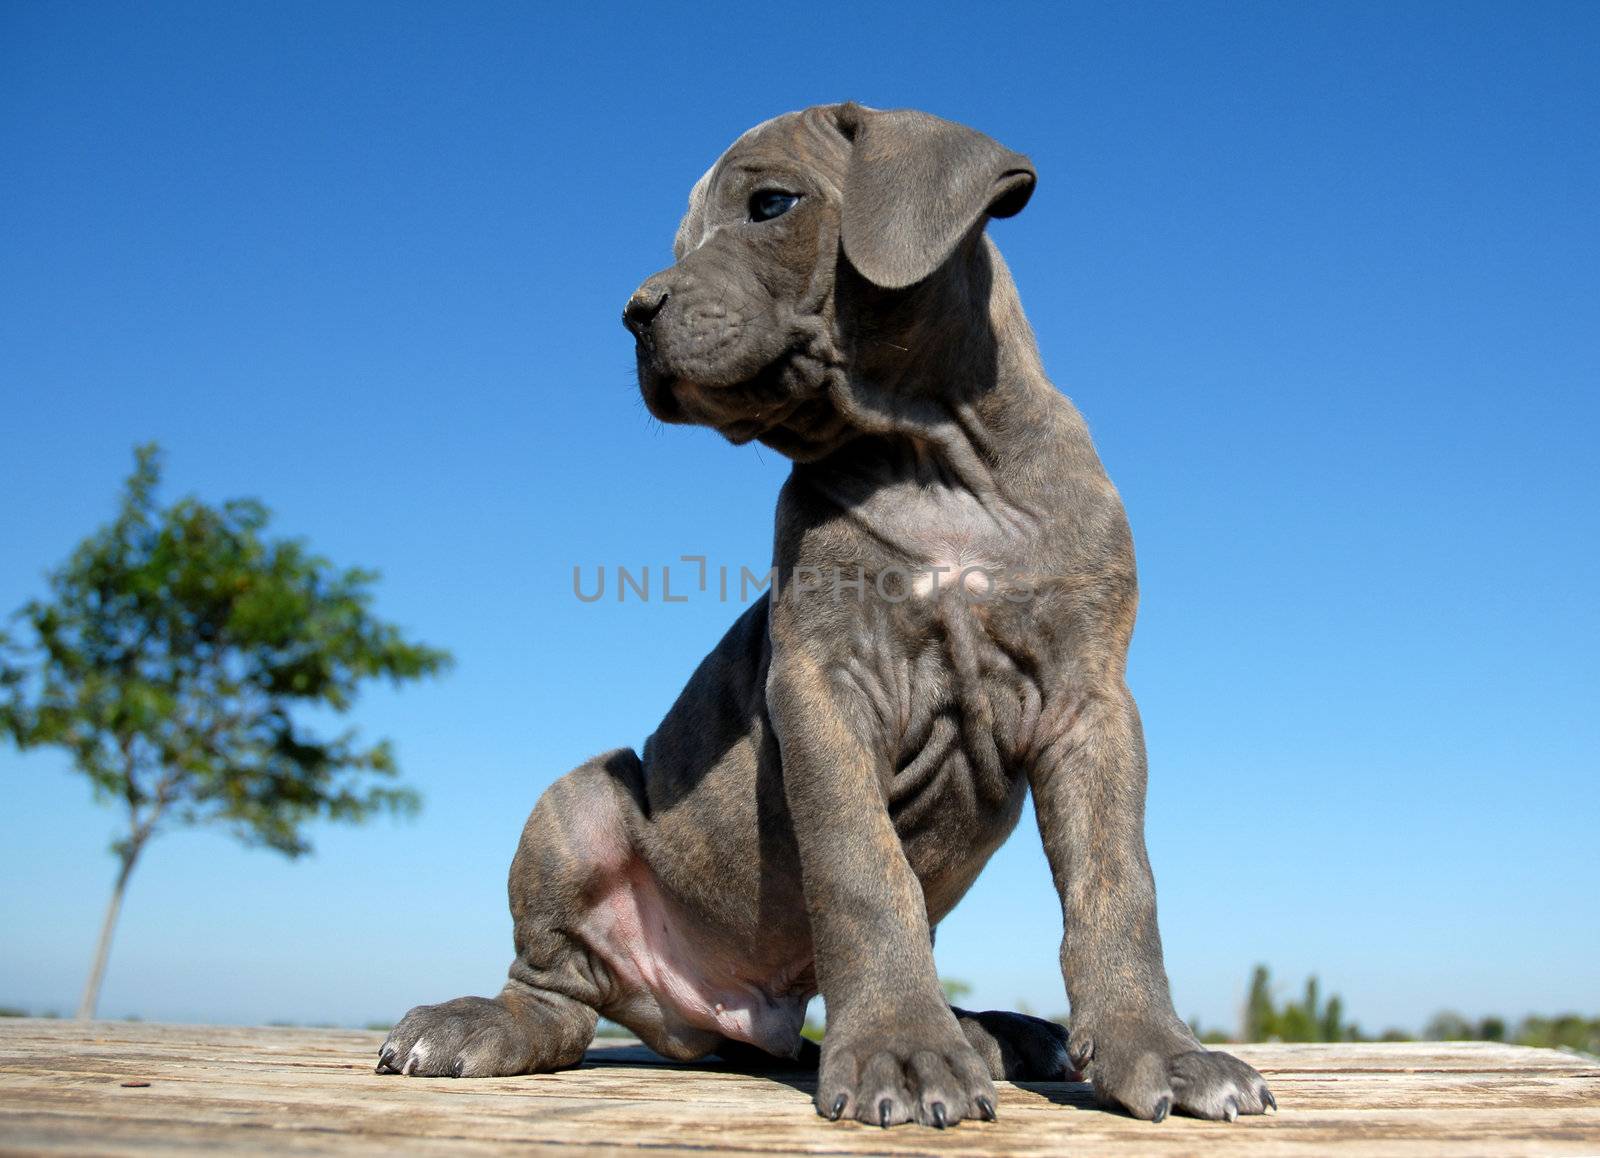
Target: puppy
{"x":946,"y":630}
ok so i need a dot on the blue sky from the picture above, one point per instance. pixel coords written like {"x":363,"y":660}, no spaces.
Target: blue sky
{"x":1325,"y":280}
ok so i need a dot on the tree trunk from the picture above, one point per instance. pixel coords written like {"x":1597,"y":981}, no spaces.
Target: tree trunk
{"x":97,"y":973}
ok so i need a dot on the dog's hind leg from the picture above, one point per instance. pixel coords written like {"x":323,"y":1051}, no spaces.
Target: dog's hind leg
{"x":578,"y":841}
{"x":1017,"y":1047}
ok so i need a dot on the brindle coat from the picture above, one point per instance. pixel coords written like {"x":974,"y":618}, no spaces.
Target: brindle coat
{"x":954,"y":597}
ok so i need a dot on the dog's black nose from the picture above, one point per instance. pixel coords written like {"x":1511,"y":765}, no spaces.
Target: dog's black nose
{"x":642,"y":308}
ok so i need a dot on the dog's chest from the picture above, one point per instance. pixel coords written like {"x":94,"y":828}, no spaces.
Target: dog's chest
{"x":919,"y":540}
{"x":952,"y":675}
{"x":935,"y":582}
{"x":965,"y":720}
{"x":924,"y":587}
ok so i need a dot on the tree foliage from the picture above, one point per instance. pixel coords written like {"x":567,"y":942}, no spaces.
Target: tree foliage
{"x":1310,"y":1019}
{"x":170,"y":658}
{"x":1565,"y":1031}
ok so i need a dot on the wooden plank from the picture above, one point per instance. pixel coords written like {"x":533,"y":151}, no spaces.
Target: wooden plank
{"x":295,"y":1091}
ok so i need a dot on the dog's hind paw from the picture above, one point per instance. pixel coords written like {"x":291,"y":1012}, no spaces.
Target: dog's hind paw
{"x":1017,"y":1047}
{"x":473,"y":1037}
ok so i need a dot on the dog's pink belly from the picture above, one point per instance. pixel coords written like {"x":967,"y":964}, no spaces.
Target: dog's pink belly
{"x":651,"y":945}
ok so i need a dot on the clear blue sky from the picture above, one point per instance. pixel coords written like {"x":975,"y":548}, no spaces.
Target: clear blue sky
{"x":1324,"y":278}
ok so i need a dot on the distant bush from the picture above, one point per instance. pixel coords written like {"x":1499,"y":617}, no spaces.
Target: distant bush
{"x":1564,"y":1031}
{"x":1310,"y":1019}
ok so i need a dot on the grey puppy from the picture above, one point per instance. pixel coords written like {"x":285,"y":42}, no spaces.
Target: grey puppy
{"x":953,"y":597}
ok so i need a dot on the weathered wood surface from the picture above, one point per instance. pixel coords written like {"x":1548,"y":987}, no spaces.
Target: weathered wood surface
{"x":302,"y":1091}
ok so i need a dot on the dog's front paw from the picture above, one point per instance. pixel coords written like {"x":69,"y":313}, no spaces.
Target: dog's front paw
{"x":1151,"y":1069}
{"x":469,"y":1037}
{"x":903,"y":1070}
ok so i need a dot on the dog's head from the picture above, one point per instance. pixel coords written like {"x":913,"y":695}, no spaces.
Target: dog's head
{"x":746,"y":333}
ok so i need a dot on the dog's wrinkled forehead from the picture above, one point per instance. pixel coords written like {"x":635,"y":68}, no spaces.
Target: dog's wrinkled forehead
{"x":808,"y":142}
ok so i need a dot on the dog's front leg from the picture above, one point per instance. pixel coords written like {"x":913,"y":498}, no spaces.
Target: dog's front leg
{"x":1088,"y":783}
{"x":893,"y":1051}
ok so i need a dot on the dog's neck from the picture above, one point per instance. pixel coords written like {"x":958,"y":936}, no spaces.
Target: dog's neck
{"x":942,"y":381}
{"x":955,"y":445}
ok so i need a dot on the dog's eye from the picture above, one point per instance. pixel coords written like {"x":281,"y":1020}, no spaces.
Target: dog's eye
{"x":765,"y":204}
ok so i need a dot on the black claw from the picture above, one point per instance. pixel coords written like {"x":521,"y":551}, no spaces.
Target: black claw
{"x":986,"y":1108}
{"x":1162,"y":1109}
{"x":455,"y":1070}
{"x":884,"y":1107}
{"x":838,"y":1107}
{"x":939,"y":1120}
{"x":1267,"y":1099}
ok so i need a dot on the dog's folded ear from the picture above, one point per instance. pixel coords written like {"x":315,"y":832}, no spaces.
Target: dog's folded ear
{"x":916,"y":186}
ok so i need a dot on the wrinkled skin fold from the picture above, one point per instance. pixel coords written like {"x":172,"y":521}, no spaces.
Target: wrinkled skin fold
{"x":947,"y":631}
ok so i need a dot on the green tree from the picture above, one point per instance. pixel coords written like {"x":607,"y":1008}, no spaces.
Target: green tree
{"x":1448,"y":1025}
{"x":1260,"y":1018}
{"x":1332,"y":1022}
{"x":1309,"y":1019}
{"x":954,"y":989}
{"x":1566,"y":1031}
{"x":169,"y":658}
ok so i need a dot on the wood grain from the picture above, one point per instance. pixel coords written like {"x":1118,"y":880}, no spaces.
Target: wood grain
{"x":300,"y":1091}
